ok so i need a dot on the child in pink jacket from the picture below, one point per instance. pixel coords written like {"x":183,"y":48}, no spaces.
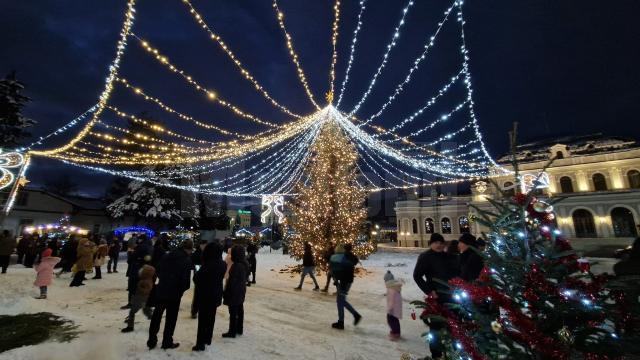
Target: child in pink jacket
{"x":44,"y":271}
{"x":394,"y":304}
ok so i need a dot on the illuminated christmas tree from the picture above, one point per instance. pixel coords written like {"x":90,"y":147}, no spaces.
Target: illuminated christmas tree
{"x":330,"y":209}
{"x":535,"y":299}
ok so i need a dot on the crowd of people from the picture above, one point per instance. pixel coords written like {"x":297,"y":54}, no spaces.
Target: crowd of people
{"x":158,"y":275}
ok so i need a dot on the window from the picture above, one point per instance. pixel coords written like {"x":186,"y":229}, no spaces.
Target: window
{"x":509,"y":189}
{"x":414,"y":226}
{"x":429,"y":227}
{"x":584,"y":224}
{"x":599,"y":182}
{"x":634,"y":179}
{"x":566,"y":184}
{"x":623,"y":223}
{"x":559,"y":155}
{"x":445,"y":223}
{"x":464,"y":225}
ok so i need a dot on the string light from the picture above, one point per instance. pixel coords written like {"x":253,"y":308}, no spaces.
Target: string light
{"x":352,"y":52}
{"x":334,"y":42}
{"x":293,"y":54}
{"x":390,"y":46}
{"x":61,"y":129}
{"x":243,"y":71}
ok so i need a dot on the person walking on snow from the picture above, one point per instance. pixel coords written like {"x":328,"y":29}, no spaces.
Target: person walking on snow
{"x":343,"y":264}
{"x":235,"y":290}
{"x":327,"y":258}
{"x":308,"y":267}
{"x":208,"y":282}
{"x":394,"y":304}
{"x":252,"y":250}
{"x":84,"y":261}
{"x":139,"y":300}
{"x":100,"y":258}
{"x":174,"y":278}
{"x":44,"y":272}
{"x":7,"y":245}
{"x":114,"y":254}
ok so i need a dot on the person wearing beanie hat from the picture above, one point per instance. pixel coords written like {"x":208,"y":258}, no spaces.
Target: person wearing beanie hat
{"x":342,"y":265}
{"x":470,"y":262}
{"x":394,"y":304}
{"x":431,"y":265}
{"x":44,"y":271}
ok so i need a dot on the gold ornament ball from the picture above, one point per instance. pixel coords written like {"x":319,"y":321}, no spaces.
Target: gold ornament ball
{"x":496,"y":327}
{"x":565,"y":335}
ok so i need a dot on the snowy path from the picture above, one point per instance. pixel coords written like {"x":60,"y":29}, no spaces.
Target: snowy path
{"x":280,"y":323}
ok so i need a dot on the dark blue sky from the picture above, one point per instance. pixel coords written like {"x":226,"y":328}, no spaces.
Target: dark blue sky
{"x":557,"y":67}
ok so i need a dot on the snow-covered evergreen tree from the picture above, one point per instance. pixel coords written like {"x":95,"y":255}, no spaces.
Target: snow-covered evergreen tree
{"x":12,"y":122}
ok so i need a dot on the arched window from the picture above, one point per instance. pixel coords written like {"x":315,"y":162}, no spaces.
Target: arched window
{"x":445,"y":223}
{"x":634,"y":179}
{"x":599,"y":182}
{"x":414,"y":226}
{"x":464,"y":225}
{"x":566,"y":184}
{"x":584,"y":224}
{"x":429,"y":227}
{"x":508,"y":188}
{"x":559,"y":155}
{"x":623,"y":223}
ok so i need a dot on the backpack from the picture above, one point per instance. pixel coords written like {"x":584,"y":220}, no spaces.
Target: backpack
{"x":339,"y":265}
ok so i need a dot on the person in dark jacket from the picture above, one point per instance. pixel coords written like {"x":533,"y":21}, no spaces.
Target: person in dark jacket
{"x":470,"y":263}
{"x":208,"y":286}
{"x":435,"y":264}
{"x":235,"y":291}
{"x":327,"y":258}
{"x":69,"y":255}
{"x":7,"y":245}
{"x":196,"y":260}
{"x":30,"y":250}
{"x":343,"y":264}
{"x":174,"y":278}
{"x":252,"y":250}
{"x":114,"y":254}
{"x":140,"y":256}
{"x":308,"y":267}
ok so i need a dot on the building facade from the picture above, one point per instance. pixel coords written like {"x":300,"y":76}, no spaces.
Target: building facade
{"x":598,"y":179}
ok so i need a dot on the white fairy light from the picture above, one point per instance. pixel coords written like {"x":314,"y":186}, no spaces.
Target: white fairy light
{"x":352,"y":52}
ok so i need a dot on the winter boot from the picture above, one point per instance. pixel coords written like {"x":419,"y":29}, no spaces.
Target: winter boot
{"x":170,"y":346}
{"x":338,"y":325}
{"x":356,"y":319}
{"x":41,"y":297}
{"x":152,"y":342}
{"x":198,"y":347}
{"x":228,"y":335}
{"x":317,"y":288}
{"x":297,"y":288}
{"x":128,"y":329}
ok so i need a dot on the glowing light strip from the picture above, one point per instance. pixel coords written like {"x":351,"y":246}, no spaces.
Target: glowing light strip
{"x":62,"y":129}
{"x":211,"y":95}
{"x":334,"y":55}
{"x":293,"y":54}
{"x":14,"y":194}
{"x":391,"y":45}
{"x":352,"y":53}
{"x":416,"y":65}
{"x":442,"y":118}
{"x":225,"y":47}
{"x":106,"y":93}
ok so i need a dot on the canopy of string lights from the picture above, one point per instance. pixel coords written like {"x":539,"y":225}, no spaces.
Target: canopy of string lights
{"x":415,"y":150}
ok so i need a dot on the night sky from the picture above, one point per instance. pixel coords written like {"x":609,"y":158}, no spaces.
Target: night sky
{"x":557,"y":67}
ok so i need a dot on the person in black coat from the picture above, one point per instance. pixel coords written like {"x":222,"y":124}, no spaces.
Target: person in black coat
{"x":308,"y":267}
{"x":140,"y":255}
{"x":470,"y":262}
{"x":235,"y":291}
{"x":174,"y":278}
{"x":252,"y":250}
{"x":435,"y":264}
{"x":343,"y":264}
{"x":208,"y":285}
{"x":327,"y":258}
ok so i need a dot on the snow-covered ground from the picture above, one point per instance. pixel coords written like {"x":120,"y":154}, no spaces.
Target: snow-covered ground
{"x":280,"y":323}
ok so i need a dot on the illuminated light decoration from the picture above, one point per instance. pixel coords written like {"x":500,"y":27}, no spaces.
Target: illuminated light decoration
{"x":10,"y":160}
{"x":210,"y":94}
{"x":106,"y":93}
{"x":352,"y":52}
{"x":135,"y":229}
{"x":293,"y":55}
{"x":225,"y":47}
{"x":481,"y":187}
{"x":416,"y":64}
{"x":530,"y":182}
{"x":385,"y":58}
{"x":22,"y":181}
{"x":55,"y":227}
{"x":180,"y":115}
{"x":274,"y":204}
{"x":62,"y":129}
{"x":334,"y":55}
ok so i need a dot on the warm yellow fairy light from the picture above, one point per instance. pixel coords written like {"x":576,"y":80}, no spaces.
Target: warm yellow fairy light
{"x":294,"y":55}
{"x":245,"y":73}
{"x":209,"y":93}
{"x":334,"y":56}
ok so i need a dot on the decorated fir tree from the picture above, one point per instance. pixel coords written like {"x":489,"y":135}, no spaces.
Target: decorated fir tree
{"x":12,"y":122}
{"x":330,"y":206}
{"x":534,"y":299}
